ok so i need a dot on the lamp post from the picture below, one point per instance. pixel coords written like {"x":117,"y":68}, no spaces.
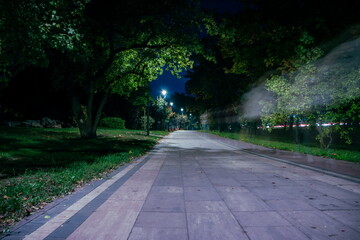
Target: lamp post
{"x":171,"y":105}
{"x":164,"y":92}
{"x":148,"y":116}
{"x":182,"y":115}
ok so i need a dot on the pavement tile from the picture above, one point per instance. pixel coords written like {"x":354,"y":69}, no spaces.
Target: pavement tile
{"x":142,"y":233}
{"x":223,"y":190}
{"x":14,"y":237}
{"x":350,"y":187}
{"x":275,"y":233}
{"x":214,"y":226}
{"x":205,"y":206}
{"x":244,"y":201}
{"x":164,"y":202}
{"x":278,"y":181}
{"x":272,"y":193}
{"x":330,"y":190}
{"x":353,"y":202}
{"x":329,"y":203}
{"x":192,"y":172}
{"x":152,"y":165}
{"x":288,"y":205}
{"x":143,"y":176}
{"x":318,"y":225}
{"x":224,"y":181}
{"x":261,"y":219}
{"x":196,"y":181}
{"x":168,"y":179}
{"x":301,"y":192}
{"x":161,"y":219}
{"x":251,"y":184}
{"x":170,"y":169}
{"x":112,"y":220}
{"x":244,"y":176}
{"x":190,"y":164}
{"x":166,"y":189}
{"x":201,"y":194}
{"x":173,"y":162}
{"x":348,"y":217}
{"x":135,"y":192}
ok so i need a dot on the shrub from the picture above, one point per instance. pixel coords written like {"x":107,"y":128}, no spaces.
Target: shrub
{"x":113,"y":122}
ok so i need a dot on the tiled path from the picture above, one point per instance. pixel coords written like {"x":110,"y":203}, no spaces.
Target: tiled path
{"x":195,"y":187}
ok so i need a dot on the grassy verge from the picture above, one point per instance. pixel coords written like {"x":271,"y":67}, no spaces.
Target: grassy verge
{"x":40,"y":165}
{"x":340,"y":154}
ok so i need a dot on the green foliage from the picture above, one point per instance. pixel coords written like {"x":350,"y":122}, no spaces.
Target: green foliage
{"x":30,"y":27}
{"x":113,"y":122}
{"x":100,"y":48}
{"x":340,"y":154}
{"x":143,"y":121}
{"x":318,"y":91}
{"x":181,"y":121}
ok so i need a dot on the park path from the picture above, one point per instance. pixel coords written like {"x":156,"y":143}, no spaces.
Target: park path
{"x":196,"y":186}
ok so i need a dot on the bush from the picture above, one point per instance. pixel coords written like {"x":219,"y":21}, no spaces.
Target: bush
{"x":113,"y":122}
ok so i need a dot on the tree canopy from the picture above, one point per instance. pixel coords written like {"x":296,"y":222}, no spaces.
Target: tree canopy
{"x":100,"y":48}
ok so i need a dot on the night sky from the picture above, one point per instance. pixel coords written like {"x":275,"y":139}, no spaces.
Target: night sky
{"x":171,"y":83}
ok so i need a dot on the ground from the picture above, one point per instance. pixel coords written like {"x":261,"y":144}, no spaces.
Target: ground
{"x":197,"y":186}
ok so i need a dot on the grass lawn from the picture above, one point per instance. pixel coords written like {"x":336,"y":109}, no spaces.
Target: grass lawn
{"x":340,"y":154}
{"x":40,"y":165}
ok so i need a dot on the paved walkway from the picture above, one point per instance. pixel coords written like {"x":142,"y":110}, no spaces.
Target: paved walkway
{"x":193,"y":186}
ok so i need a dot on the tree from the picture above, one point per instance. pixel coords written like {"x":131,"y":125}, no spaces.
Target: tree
{"x":321,"y":91}
{"x":29,"y":28}
{"x":119,"y":47}
{"x":261,"y":41}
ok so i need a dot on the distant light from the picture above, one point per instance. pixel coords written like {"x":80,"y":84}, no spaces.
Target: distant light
{"x":171,"y":103}
{"x":182,"y":109}
{"x":163,"y":92}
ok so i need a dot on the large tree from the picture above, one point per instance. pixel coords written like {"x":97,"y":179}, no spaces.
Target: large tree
{"x":117,"y":47}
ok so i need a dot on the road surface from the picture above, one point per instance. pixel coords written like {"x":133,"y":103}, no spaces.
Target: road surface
{"x":193,"y":186}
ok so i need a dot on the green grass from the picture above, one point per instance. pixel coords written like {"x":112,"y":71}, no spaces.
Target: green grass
{"x":340,"y":154}
{"x":40,"y":165}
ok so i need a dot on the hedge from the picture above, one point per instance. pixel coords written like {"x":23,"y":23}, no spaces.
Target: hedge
{"x":113,"y":122}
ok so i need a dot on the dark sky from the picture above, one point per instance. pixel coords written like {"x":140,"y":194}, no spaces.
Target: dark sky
{"x":168,"y":82}
{"x":222,"y":6}
{"x":171,"y":83}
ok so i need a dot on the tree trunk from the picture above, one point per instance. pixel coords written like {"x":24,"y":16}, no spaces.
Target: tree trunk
{"x":87,"y":117}
{"x":291,"y":122}
{"x":297,"y":134}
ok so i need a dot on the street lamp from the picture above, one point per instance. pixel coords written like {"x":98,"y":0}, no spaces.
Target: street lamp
{"x":164,"y":92}
{"x":170,"y":122}
{"x":182,"y":115}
